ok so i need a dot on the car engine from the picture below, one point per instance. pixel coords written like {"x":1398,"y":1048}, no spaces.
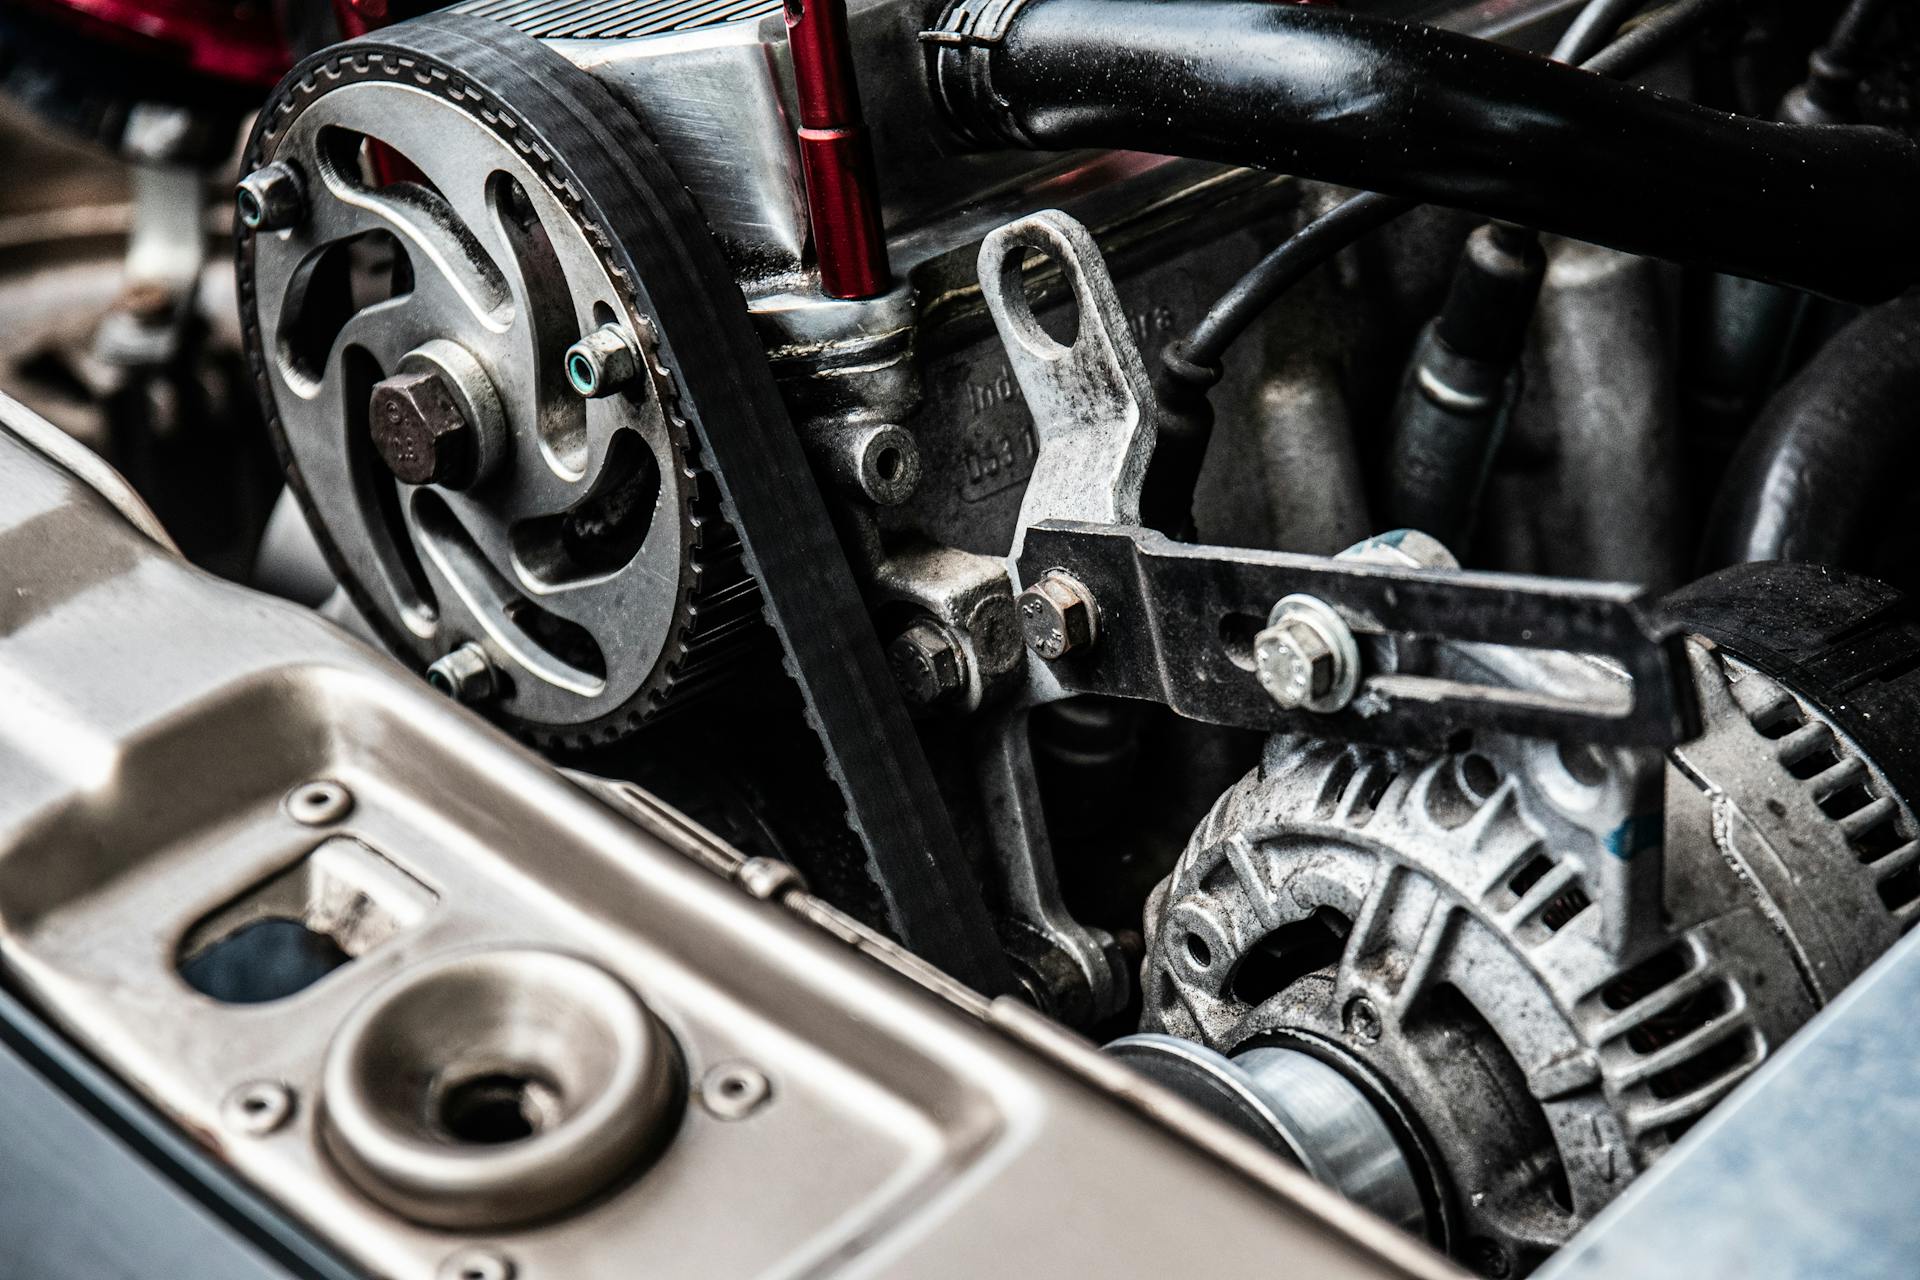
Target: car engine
{"x":948,"y":637}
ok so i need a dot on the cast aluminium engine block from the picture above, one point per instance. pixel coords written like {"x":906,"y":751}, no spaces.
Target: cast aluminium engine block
{"x":1418,"y":922}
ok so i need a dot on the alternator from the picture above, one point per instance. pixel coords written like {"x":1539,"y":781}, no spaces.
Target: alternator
{"x":1411,"y":922}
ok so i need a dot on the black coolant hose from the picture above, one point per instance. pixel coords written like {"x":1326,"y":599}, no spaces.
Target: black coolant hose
{"x":1430,"y":115}
{"x":1817,"y":477}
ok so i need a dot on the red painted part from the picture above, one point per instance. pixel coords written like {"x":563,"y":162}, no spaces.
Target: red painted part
{"x":357,"y":17}
{"x":843,"y":193}
{"x":237,"y":42}
{"x":848,"y":239}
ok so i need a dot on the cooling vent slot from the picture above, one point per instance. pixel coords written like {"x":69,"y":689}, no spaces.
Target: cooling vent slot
{"x":1874,"y":825}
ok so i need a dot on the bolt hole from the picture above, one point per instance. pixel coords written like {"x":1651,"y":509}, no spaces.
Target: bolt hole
{"x":496,"y":1108}
{"x":1237,"y":634}
{"x":1479,"y":777}
{"x":733,"y":1086}
{"x":1198,"y":950}
{"x":1583,"y":764}
{"x":254,"y":1105}
{"x":887,"y":463}
{"x":251,"y":213}
{"x":441,"y":682}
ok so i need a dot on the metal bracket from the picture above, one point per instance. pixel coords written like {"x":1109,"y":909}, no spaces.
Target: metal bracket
{"x":1176,"y":624}
{"x":1093,"y":406}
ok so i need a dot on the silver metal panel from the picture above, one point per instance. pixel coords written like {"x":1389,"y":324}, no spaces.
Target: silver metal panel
{"x":904,"y":1134}
{"x":1806,"y":1170}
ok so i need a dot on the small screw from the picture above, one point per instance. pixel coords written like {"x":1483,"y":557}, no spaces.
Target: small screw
{"x":1306,"y":658}
{"x":1058,"y":615}
{"x":603,"y":361}
{"x":477,"y":1264}
{"x":420,"y":432}
{"x":1362,"y":1020}
{"x":258,"y":1108}
{"x":271,"y":199}
{"x":318,"y":804}
{"x":466,"y":674}
{"x":927,"y":663}
{"x":734,"y":1090}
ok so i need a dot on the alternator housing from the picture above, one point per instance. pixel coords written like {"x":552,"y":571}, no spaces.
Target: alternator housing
{"x":1410,"y":920}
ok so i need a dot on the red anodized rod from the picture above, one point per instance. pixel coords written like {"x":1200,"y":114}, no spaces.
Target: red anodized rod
{"x":843,"y":194}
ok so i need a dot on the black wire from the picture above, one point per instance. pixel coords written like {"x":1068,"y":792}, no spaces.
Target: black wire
{"x":1284,"y":267}
{"x":1195,"y":359}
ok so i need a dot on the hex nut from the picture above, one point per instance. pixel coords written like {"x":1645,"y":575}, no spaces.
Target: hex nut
{"x":273,"y":198}
{"x":928,"y":664}
{"x":1058,"y":616}
{"x":466,"y":674}
{"x":420,"y":432}
{"x":603,"y":362}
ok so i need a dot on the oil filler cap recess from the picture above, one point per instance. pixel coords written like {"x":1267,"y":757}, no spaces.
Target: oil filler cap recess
{"x":497,"y":1088}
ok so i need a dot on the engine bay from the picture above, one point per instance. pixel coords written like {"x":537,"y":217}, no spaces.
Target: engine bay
{"x":1059,"y":636}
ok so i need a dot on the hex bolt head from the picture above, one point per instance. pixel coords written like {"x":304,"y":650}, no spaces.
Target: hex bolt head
{"x":928,"y":664}
{"x":420,"y":432}
{"x":1306,"y":658}
{"x":603,"y":362}
{"x":1295,"y":663}
{"x":465,"y":675}
{"x":273,"y":198}
{"x":1058,"y":616}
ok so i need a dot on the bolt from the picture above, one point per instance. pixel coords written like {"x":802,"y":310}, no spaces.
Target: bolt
{"x":927,"y":663}
{"x":1306,"y":657}
{"x":420,"y":432}
{"x":466,"y":674}
{"x":259,"y":1108}
{"x":271,"y":199}
{"x":1295,"y":662}
{"x":1058,"y":615}
{"x":603,"y":361}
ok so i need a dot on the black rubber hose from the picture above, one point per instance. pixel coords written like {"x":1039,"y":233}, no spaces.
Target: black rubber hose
{"x":1816,"y":478}
{"x":1425,"y":114}
{"x":1592,"y":29}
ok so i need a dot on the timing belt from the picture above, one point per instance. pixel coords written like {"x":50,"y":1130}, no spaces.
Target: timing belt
{"x":560,"y":117}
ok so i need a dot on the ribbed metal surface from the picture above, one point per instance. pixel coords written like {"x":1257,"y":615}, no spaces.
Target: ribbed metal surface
{"x":601,"y":20}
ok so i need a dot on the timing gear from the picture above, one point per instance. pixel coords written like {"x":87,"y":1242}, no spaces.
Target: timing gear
{"x":411,"y":328}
